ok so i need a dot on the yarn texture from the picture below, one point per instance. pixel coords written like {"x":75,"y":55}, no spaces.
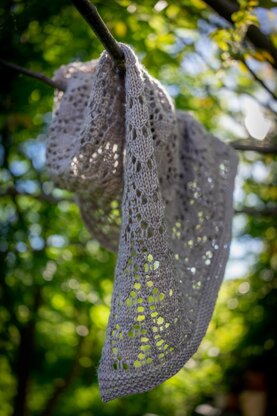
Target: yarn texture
{"x":155,"y":187}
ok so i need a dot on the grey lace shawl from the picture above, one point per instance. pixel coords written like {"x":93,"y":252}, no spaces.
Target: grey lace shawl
{"x":156,"y":188}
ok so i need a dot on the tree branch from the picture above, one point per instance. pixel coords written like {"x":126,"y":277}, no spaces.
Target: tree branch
{"x":13,"y":192}
{"x":259,"y":80}
{"x":267,"y":105}
{"x":255,"y":212}
{"x":25,"y":356}
{"x":36,"y":75}
{"x":53,"y":200}
{"x":254,"y":145}
{"x":226,"y":8}
{"x":91,"y":15}
{"x":62,"y":385}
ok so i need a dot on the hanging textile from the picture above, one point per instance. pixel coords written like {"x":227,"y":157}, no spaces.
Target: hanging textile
{"x":156,"y":188}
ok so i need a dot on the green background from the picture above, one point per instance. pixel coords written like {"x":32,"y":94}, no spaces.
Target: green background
{"x":56,"y":282}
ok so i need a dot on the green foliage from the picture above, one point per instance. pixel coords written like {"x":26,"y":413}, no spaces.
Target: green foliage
{"x":57,"y":282}
{"x":230,"y":39}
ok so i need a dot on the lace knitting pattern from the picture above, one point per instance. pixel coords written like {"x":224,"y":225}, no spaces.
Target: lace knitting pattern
{"x":155,"y":187}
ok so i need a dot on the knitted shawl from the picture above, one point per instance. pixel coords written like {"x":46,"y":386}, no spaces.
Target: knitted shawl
{"x":155,"y":187}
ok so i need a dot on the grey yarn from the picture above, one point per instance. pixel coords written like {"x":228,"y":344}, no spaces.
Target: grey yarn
{"x":154,"y":186}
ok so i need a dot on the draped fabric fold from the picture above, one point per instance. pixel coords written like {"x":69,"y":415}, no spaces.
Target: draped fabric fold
{"x":155,"y":187}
